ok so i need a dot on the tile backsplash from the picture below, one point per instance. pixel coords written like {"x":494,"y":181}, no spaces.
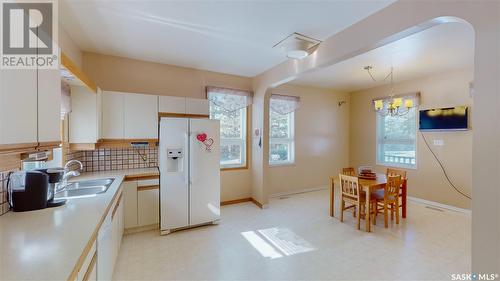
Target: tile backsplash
{"x":107,"y":159}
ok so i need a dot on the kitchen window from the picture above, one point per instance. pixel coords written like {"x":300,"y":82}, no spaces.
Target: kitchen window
{"x":230,"y":107}
{"x":281,"y":129}
{"x":396,"y":140}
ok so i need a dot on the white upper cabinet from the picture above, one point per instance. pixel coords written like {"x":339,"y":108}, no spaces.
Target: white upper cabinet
{"x":18,"y":107}
{"x":197,"y":106}
{"x":113,"y":115}
{"x":173,"y":104}
{"x":30,"y":110}
{"x":183,"y":105}
{"x":49,"y":105}
{"x":85,"y":116}
{"x":140,"y":116}
{"x":129,"y":116}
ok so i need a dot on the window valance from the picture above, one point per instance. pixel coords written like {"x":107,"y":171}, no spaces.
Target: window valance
{"x":283,"y":104}
{"x":229,"y":99}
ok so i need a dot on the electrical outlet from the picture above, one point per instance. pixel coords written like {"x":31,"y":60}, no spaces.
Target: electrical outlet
{"x":438,"y":142}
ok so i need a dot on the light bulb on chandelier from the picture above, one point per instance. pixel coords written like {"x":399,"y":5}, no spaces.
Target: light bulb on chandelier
{"x":392,"y":105}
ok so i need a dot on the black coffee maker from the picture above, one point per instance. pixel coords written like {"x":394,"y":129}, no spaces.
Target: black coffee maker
{"x":55,"y":176}
{"x":29,"y":191}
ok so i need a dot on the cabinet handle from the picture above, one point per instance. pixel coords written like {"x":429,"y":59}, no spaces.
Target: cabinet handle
{"x":116,"y":206}
{"x":90,"y":268}
{"x":147,"y":187}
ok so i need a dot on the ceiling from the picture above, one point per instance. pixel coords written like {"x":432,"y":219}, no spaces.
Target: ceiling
{"x":230,"y":37}
{"x":435,"y":50}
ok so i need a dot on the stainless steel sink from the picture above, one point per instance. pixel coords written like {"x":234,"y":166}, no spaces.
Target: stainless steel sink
{"x":86,"y":188}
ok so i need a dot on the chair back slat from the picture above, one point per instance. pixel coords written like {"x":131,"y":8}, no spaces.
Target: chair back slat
{"x":392,"y":187}
{"x":350,"y":186}
{"x":396,"y":172}
{"x":349,"y":171}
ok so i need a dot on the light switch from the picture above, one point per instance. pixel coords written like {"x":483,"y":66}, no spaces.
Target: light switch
{"x":438,"y":142}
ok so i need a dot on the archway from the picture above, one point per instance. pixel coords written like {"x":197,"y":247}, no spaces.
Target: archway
{"x":395,"y":22}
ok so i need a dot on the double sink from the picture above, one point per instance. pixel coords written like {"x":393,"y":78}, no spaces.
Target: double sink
{"x":87,"y":188}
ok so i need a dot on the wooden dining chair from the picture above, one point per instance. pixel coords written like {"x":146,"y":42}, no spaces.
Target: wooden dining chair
{"x":402,"y":174}
{"x":388,"y":198}
{"x":396,"y":172}
{"x":351,"y":194}
{"x":349,"y":171}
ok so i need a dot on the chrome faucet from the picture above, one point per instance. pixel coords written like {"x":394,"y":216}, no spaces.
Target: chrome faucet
{"x":69,"y":174}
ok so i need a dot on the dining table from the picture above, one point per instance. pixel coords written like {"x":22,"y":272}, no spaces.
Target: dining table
{"x":369,"y":186}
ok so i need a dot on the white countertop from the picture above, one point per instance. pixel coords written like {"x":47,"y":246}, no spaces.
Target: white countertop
{"x":46,"y":244}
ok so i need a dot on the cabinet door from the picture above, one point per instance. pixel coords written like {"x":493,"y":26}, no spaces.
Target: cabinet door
{"x":115,"y":232}
{"x":99,"y":114}
{"x":172,"y":104}
{"x":18,"y":106}
{"x":121,"y":221}
{"x":49,"y":105}
{"x":88,"y":265}
{"x":140,"y":116}
{"x":130,"y":204}
{"x":83,"y":117}
{"x":112,"y":115}
{"x":197,"y":106}
{"x":148,"y":206}
{"x":92,"y":273}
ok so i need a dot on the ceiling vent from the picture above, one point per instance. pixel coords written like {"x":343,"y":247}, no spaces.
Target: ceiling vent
{"x":298,"y":46}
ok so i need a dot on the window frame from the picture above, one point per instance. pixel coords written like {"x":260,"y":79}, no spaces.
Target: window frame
{"x":244,"y":141}
{"x":378,"y":151}
{"x":290,"y":141}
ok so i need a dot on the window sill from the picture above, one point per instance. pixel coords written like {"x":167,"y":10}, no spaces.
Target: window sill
{"x":282,"y":164}
{"x":234,"y":168}
{"x":392,"y":165}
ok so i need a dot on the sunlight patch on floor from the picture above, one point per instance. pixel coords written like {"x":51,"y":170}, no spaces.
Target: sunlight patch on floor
{"x":277,"y":242}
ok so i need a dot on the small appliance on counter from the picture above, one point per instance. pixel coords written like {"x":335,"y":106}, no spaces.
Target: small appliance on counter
{"x":29,"y":190}
{"x":55,"y":176}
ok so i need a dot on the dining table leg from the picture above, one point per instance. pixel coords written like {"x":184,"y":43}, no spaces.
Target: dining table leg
{"x":332,"y":198}
{"x":367,"y":210}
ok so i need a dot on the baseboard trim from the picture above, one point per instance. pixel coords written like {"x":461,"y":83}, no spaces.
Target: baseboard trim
{"x":236,"y":201}
{"x":258,"y":203}
{"x":439,"y":205}
{"x":243,"y":200}
{"x":279,"y":194}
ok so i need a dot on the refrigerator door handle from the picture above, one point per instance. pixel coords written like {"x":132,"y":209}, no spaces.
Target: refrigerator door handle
{"x":192,"y":169}
{"x":188,"y":166}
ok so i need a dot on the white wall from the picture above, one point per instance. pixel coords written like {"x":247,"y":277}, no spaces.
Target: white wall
{"x":321,"y":140}
{"x":427,"y":180}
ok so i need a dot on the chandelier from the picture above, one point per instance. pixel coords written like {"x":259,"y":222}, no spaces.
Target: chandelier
{"x":392,"y":105}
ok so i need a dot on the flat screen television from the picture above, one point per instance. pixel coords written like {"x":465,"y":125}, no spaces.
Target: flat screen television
{"x":449,"y":118}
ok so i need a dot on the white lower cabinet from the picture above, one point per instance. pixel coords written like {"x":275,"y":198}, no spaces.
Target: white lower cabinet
{"x":141,"y":203}
{"x":117,"y":228}
{"x":105,"y":254}
{"x":148,"y":206}
{"x":88,"y":270}
{"x":130,"y":203}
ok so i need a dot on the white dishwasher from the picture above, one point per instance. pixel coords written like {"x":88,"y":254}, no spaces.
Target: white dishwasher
{"x":105,"y":250}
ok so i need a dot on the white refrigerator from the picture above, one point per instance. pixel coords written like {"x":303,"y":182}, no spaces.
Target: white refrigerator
{"x":189,"y":173}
